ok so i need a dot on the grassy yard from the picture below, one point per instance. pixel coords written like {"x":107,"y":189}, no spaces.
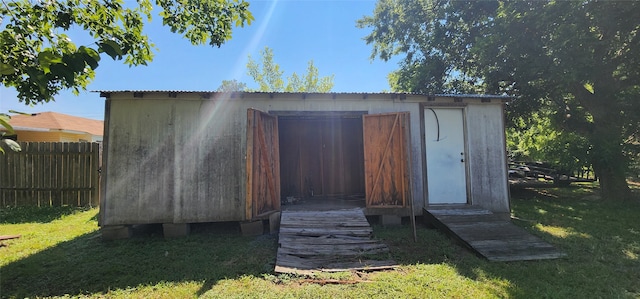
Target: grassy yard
{"x":61,"y":254}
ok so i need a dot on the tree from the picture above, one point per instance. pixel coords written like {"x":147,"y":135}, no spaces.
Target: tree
{"x":5,"y":133}
{"x":578,"y":59}
{"x":38,"y":58}
{"x":232,"y":85}
{"x":536,"y":139}
{"x":269,"y":76}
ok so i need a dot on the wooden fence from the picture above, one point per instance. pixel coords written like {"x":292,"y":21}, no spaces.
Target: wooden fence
{"x":51,"y":174}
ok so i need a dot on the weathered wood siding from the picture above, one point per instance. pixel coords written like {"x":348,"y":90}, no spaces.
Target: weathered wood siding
{"x":487,"y":157}
{"x":173,"y":161}
{"x":181,"y":157}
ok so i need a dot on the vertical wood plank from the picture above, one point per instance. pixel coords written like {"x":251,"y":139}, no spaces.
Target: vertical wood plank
{"x":84,"y":172}
{"x":250,"y":158}
{"x":73,"y":162}
{"x":40,"y":172}
{"x":75,"y":177}
{"x":64,"y":173}
{"x":4,"y":179}
{"x":24,"y":176}
{"x":95,"y":175}
{"x":69,"y":199}
{"x":15,"y":161}
{"x":35,"y":176}
{"x":46,"y":173}
{"x":79,"y":174}
{"x":56,"y":174}
{"x":86,"y":176}
{"x":4,"y":174}
{"x":51,"y":172}
{"x":32,"y":173}
{"x":276,"y":162}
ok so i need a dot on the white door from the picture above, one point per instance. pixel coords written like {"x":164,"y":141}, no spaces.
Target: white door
{"x":446,"y":170}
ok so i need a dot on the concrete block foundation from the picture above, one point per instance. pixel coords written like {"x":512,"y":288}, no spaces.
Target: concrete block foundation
{"x":252,"y":228}
{"x":390,"y":220}
{"x":116,"y":232}
{"x":175,"y":230}
{"x":274,"y":223}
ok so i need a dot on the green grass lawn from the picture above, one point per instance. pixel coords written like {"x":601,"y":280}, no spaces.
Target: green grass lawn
{"x":61,"y":254}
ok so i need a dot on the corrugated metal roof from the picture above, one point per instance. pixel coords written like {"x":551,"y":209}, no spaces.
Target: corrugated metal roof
{"x":478,"y":96}
{"x":167,"y":91}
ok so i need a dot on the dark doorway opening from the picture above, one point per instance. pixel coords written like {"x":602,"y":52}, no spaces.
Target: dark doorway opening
{"x":321,"y":158}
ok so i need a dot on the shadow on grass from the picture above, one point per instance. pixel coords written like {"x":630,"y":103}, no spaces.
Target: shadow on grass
{"x":89,"y":265}
{"x":30,"y":214}
{"x":601,"y":239}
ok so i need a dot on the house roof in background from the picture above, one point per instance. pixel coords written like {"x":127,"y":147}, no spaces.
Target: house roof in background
{"x":57,"y":121}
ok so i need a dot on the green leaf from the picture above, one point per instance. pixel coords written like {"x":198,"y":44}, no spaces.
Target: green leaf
{"x":14,"y":146}
{"x":589,"y":87}
{"x":17,"y":112}
{"x":4,"y":122}
{"x":6,"y":69}
{"x":112,"y":49}
{"x":63,"y":72}
{"x":47,"y":58}
{"x":90,"y":56}
{"x":75,"y":62}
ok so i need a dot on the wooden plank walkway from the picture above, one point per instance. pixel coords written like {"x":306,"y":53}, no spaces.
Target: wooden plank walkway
{"x":327,"y":241}
{"x":489,"y":235}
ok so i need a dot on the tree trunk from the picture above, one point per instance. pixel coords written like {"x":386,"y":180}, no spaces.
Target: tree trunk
{"x":609,"y":161}
{"x":613,"y":182}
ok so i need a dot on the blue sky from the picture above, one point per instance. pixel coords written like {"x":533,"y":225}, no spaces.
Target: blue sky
{"x":297,"y":30}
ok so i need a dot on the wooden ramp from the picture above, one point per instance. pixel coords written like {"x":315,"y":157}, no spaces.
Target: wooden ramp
{"x":327,"y":241}
{"x":489,"y":235}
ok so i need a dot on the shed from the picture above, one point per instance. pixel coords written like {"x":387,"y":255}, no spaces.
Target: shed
{"x":181,"y":157}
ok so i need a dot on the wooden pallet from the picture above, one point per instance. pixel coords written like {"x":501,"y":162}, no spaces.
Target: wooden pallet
{"x":327,"y":241}
{"x":489,"y":235}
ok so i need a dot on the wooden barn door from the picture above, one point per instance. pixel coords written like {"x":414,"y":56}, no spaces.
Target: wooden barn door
{"x":386,"y":157}
{"x":263,"y":165}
